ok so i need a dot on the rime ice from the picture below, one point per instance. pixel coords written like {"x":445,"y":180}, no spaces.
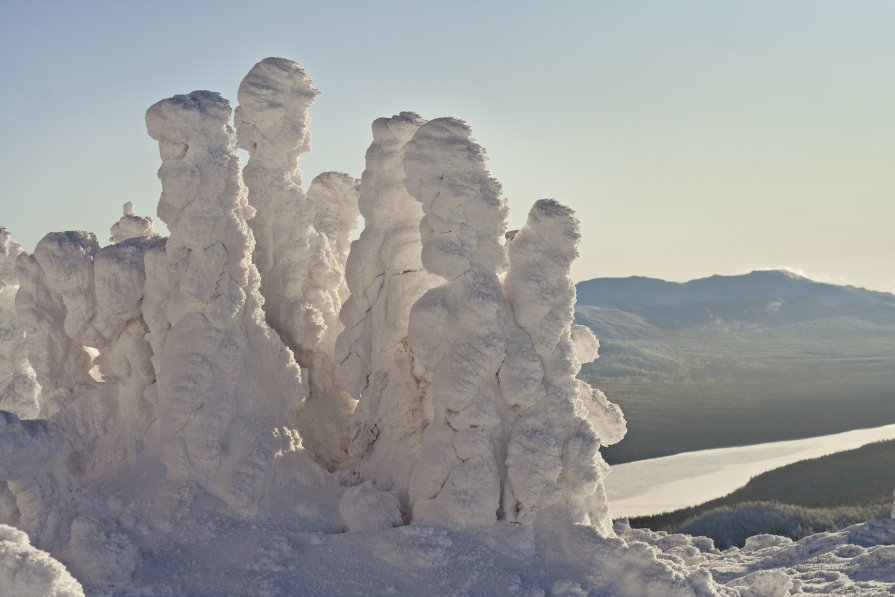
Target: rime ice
{"x":168,"y":402}
{"x":458,"y":330}
{"x":385,"y":278}
{"x":225,"y":382}
{"x":552,"y":458}
{"x":301,"y":241}
{"x":18,"y":385}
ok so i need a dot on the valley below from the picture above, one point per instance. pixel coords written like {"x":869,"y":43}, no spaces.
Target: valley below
{"x":738,"y":360}
{"x":658,"y":485}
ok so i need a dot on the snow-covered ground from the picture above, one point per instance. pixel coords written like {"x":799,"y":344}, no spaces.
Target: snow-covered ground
{"x":669,"y":483}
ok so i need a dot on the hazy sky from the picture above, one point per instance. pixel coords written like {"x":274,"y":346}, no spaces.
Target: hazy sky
{"x":692,"y":137}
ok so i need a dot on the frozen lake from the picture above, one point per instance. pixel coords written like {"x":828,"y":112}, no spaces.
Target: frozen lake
{"x":662,"y":484}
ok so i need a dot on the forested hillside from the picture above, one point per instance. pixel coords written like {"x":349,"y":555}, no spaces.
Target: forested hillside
{"x":819,"y":494}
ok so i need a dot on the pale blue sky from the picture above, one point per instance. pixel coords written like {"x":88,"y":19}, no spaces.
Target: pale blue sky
{"x":692,"y":137}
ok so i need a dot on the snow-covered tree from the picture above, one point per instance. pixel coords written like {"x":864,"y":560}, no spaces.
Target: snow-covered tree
{"x":460,"y":331}
{"x":225,"y":380}
{"x":61,"y":363}
{"x":19,"y":389}
{"x":301,"y":265}
{"x":131,"y":226}
{"x":385,"y":277}
{"x":552,"y":455}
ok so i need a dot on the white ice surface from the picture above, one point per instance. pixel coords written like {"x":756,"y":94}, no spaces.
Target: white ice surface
{"x":663,"y":484}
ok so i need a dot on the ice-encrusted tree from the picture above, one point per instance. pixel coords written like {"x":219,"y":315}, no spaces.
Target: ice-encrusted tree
{"x":19,"y":389}
{"x":61,"y":362}
{"x":470,"y":409}
{"x":513,"y":431}
{"x":463,"y":332}
{"x":124,"y":355}
{"x":333,"y":197}
{"x":385,"y":276}
{"x":226,"y":383}
{"x":299,"y":241}
{"x":35,"y":484}
{"x":79,"y":295}
{"x":131,"y":226}
{"x":552,"y":455}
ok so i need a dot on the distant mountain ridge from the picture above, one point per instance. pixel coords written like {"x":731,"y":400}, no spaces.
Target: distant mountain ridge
{"x":765,"y":296}
{"x":734,"y":360}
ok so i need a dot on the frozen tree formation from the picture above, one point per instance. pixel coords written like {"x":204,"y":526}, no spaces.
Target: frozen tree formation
{"x":459,"y":329}
{"x":301,"y":241}
{"x":385,"y":278}
{"x":256,"y":404}
{"x":511,"y":431}
{"x":131,"y":226}
{"x":125,"y":356}
{"x":18,"y":384}
{"x":62,"y":364}
{"x":225,"y":381}
{"x":552,"y":454}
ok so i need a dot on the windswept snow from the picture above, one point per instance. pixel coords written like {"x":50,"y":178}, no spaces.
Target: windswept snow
{"x":257,"y":405}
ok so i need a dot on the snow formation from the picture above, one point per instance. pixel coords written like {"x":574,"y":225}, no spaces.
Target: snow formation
{"x":131,"y":226}
{"x":18,"y":385}
{"x":385,"y":277}
{"x":257,"y":405}
{"x":552,"y":452}
{"x":61,"y":363}
{"x":225,"y":381}
{"x":301,"y":241}
{"x":29,"y":572}
{"x":460,"y":329}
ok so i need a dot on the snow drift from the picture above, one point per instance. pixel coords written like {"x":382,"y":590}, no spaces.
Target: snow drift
{"x":209,"y":412}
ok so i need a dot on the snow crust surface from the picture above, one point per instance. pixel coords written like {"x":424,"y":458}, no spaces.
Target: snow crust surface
{"x":257,"y":405}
